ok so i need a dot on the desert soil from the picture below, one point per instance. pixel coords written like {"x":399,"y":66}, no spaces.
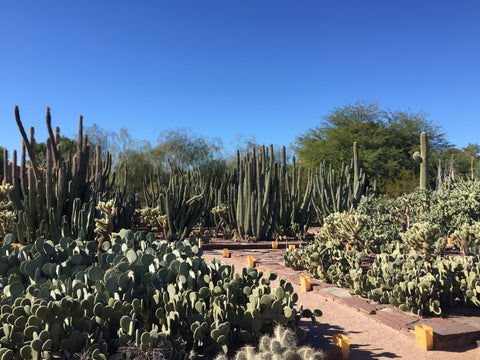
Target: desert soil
{"x":370,"y":339}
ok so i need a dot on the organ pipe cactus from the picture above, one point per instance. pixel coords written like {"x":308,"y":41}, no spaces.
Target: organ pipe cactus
{"x":66,"y":177}
{"x":295,"y":199}
{"x":338,"y":191}
{"x":183,"y":200}
{"x":258,"y":194}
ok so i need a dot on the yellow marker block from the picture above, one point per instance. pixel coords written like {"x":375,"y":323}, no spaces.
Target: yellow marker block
{"x":305,"y":283}
{"x":225,"y":253}
{"x":424,"y":336}
{"x":15,"y":244}
{"x":349,"y":246}
{"x":250,"y":261}
{"x":291,"y":247}
{"x":274,"y":244}
{"x":450,"y":240}
{"x":344,"y":343}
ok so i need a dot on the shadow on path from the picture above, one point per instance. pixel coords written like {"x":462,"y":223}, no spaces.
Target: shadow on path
{"x":319,"y":336}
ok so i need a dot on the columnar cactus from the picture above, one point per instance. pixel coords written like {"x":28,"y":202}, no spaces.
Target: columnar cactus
{"x":295,"y":199}
{"x":66,"y":177}
{"x":422,"y":158}
{"x":336,"y":191}
{"x":258,"y":195}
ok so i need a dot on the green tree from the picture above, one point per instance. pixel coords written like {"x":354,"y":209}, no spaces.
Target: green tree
{"x":186,"y":150}
{"x":386,"y":141}
{"x":67,"y":145}
{"x":136,"y":155}
{"x":41,"y":154}
{"x":107,"y":139}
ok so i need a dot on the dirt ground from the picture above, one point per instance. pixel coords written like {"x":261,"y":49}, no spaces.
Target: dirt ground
{"x":369,"y":338}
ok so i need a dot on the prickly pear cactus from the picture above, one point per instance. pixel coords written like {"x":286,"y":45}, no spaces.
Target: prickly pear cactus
{"x":158,"y":296}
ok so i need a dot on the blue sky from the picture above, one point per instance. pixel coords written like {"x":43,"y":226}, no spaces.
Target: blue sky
{"x":268,"y":69}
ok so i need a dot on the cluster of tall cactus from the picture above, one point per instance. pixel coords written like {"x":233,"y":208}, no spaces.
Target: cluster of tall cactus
{"x":60,"y":199}
{"x":338,"y":191}
{"x":260,"y":197}
{"x":295,"y":198}
{"x":182,"y":201}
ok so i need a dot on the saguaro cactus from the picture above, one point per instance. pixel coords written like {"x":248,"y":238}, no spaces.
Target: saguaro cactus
{"x":422,"y":158}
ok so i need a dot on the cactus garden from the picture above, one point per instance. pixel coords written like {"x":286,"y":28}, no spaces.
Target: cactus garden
{"x":87,"y":271}
{"x":79,"y":279}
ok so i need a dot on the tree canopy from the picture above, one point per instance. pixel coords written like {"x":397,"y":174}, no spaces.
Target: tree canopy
{"x":386,"y":141}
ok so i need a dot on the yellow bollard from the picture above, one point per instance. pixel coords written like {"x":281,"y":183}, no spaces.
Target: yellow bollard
{"x":275,"y":244}
{"x":291,"y":247}
{"x":225,"y":253}
{"x":305,"y":283}
{"x":250,"y":261}
{"x":344,"y":343}
{"x":424,"y":336}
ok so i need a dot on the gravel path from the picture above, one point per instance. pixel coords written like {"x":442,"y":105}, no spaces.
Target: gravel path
{"x":370,"y":339}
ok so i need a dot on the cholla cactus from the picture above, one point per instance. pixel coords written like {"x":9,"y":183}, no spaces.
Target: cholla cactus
{"x":220,"y":213}
{"x":7,"y":217}
{"x":281,"y":346}
{"x":154,"y":219}
{"x":421,"y":237}
{"x":340,"y":227}
{"x":104,"y":226}
{"x":467,"y":236}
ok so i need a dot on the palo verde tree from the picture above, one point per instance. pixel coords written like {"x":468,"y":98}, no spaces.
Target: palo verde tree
{"x":386,"y":141}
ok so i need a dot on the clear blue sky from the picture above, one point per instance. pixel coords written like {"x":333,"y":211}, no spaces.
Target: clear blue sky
{"x":268,"y":69}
